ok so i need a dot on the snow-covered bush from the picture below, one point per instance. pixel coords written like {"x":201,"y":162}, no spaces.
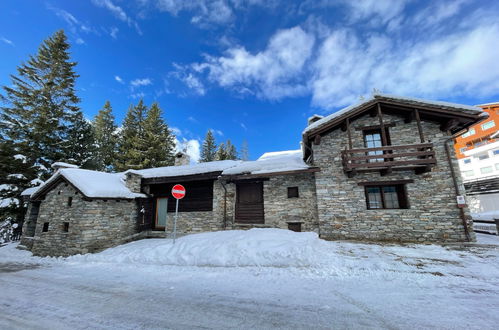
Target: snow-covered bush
{"x":6,"y":230}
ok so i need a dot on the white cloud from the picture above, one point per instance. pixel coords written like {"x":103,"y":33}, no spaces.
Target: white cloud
{"x":118,"y":12}
{"x":113,"y":32}
{"x":273,"y":73}
{"x":7,"y":41}
{"x":140,"y":95}
{"x":141,"y":82}
{"x":243,"y":126}
{"x":119,"y":79}
{"x":175,"y":130}
{"x":217,"y":132}
{"x":190,"y":147}
{"x":79,"y":41}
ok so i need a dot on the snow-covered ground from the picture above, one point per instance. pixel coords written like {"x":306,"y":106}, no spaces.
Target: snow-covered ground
{"x":261,"y":278}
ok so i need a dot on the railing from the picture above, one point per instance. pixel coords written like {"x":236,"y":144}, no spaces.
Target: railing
{"x":411,"y":156}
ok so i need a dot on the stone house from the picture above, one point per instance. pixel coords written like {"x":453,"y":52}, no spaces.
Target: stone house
{"x":383,"y":169}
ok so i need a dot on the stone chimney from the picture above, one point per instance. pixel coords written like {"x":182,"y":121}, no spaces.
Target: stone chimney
{"x":182,"y":158}
{"x":314,"y":118}
{"x":58,"y":165}
{"x":133,"y":182}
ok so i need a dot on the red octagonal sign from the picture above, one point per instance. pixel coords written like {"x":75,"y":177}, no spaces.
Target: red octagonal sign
{"x":178,"y":191}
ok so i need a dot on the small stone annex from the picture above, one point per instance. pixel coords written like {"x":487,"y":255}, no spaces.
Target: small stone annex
{"x":381,"y":170}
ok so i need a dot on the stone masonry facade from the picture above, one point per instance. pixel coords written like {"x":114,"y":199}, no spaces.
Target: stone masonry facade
{"x":432,"y":215}
{"x":92,"y":225}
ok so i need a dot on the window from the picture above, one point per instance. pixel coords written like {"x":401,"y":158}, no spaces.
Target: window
{"x":486,"y":170}
{"x":467,"y":161}
{"x":293,"y":192}
{"x":469,"y":133}
{"x":483,"y":157}
{"x":198,"y":197}
{"x":373,"y":139}
{"x":65,"y":227}
{"x":461,"y":150}
{"x":497,"y":167}
{"x":488,"y":125}
{"x":70,"y":201}
{"x":386,"y":197}
{"x":45,"y":227}
{"x":495,"y":152}
{"x":468,"y":173}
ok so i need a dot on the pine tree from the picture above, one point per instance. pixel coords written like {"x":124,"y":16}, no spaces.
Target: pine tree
{"x":244,"y":150}
{"x":209,"y":148}
{"x":221,"y":153}
{"x":160,"y":142}
{"x":132,"y":144}
{"x":79,"y":143}
{"x":230,"y":151}
{"x":39,"y":113}
{"x":105,"y":135}
{"x":41,"y":102}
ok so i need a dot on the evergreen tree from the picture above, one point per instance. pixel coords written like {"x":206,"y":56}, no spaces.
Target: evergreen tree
{"x":221,"y":153}
{"x":244,"y":150}
{"x":209,"y":148}
{"x":160,"y":142}
{"x":230,"y":151}
{"x":79,"y":143}
{"x":41,"y":103}
{"x":40,"y":115}
{"x":132,"y":144}
{"x":105,"y":138}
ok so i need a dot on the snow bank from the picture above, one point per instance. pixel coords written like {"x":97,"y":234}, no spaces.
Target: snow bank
{"x":490,"y":215}
{"x":234,"y":248}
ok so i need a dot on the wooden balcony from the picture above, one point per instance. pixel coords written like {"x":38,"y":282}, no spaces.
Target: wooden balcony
{"x":417,"y":157}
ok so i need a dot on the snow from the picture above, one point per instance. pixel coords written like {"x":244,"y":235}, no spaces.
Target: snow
{"x":489,"y":215}
{"x":271,"y":162}
{"x":395,"y":97}
{"x":63,"y":165}
{"x":290,"y":280}
{"x":20,"y":157}
{"x":29,"y":191}
{"x":16,"y":176}
{"x":200,"y":168}
{"x":6,"y":202}
{"x":487,"y":239}
{"x":94,"y":184}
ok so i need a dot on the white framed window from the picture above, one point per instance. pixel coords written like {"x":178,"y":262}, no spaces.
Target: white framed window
{"x":497,"y":167}
{"x":463,"y":149}
{"x":483,"y":157}
{"x":467,"y":161}
{"x":495,"y":152}
{"x":469,"y":133}
{"x":488,"y":125}
{"x":468,"y":173}
{"x":486,"y":170}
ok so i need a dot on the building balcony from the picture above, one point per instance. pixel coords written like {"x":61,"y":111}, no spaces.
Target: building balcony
{"x":417,"y":157}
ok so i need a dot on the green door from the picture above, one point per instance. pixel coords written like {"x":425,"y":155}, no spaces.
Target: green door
{"x":161,"y":213}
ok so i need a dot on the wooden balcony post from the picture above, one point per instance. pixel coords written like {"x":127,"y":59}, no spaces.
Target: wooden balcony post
{"x":349,"y":134}
{"x":420,"y":129}
{"x":382,"y":126}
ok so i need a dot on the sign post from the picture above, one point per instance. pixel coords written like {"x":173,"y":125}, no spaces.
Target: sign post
{"x":178,"y":192}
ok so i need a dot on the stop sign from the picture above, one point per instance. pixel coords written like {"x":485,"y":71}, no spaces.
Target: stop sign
{"x":178,"y":191}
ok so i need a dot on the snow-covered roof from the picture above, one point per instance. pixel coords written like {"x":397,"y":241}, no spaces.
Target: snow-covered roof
{"x":57,"y":165}
{"x":200,"y":168}
{"x":409,"y":100}
{"x":271,"y":162}
{"x":29,"y":191}
{"x":93,"y":184}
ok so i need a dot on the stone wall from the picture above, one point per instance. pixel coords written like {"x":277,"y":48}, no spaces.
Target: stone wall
{"x":433,"y":215}
{"x":93,"y":224}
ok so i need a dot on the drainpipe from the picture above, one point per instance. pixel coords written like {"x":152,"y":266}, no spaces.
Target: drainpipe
{"x":225,"y":202}
{"x":456,"y":186}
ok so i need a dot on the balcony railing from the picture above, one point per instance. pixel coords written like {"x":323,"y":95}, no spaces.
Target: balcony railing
{"x":418,"y":157}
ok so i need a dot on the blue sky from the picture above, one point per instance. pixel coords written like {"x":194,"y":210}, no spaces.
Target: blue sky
{"x":256,"y":69}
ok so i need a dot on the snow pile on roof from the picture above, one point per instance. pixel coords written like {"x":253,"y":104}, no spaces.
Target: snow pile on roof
{"x":57,"y":165}
{"x":29,"y":191}
{"x":490,"y":215}
{"x":94,"y":184}
{"x":232,"y":248}
{"x":271,"y":162}
{"x":438,"y":104}
{"x":200,"y":168}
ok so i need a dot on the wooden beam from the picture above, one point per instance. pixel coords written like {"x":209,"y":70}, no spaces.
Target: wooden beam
{"x":366,"y":128}
{"x":317,"y":140}
{"x":449,"y":125}
{"x":380,"y":183}
{"x":347,"y":123}
{"x":420,"y":128}
{"x":382,"y":125}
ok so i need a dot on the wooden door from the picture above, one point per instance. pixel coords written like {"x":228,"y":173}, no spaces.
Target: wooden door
{"x":249,"y":203}
{"x":161,"y":213}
